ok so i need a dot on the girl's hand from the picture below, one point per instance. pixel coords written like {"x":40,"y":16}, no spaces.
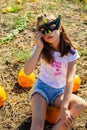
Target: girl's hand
{"x":66,"y":119}
{"x":38,"y":40}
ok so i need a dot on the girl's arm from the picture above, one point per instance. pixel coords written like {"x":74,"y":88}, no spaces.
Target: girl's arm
{"x":66,"y":118}
{"x":69,"y":84}
{"x":32,"y":62}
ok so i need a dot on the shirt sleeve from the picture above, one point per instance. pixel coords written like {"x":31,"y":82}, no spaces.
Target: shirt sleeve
{"x":74,"y":56}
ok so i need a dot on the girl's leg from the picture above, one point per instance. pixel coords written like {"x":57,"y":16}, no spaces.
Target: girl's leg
{"x":77,"y":106}
{"x":38,"y":106}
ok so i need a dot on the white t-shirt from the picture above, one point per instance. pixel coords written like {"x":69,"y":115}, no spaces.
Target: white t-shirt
{"x":54,"y":74}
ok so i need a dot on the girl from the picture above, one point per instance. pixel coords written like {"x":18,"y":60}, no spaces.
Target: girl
{"x":55,"y":82}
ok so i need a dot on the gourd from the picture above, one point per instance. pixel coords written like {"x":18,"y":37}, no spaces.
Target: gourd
{"x":77,"y":82}
{"x":26,"y":81}
{"x":2,"y":96}
{"x":52,"y":114}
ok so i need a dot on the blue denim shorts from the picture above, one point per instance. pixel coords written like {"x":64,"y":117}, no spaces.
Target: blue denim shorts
{"x":48,"y":92}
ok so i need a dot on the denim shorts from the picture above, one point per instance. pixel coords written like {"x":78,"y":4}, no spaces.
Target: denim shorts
{"x":48,"y":92}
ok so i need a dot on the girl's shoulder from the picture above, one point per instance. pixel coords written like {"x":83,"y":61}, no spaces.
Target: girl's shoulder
{"x":73,"y":54}
{"x":72,"y":51}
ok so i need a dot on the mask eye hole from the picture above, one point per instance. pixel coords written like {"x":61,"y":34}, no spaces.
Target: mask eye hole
{"x":52,"y":26}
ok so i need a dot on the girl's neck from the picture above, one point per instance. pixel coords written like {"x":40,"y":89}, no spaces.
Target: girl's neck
{"x":55,"y":45}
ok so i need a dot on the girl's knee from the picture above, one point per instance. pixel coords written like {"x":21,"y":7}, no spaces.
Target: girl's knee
{"x":84,"y":103}
{"x":81,"y":105}
{"x":78,"y":102}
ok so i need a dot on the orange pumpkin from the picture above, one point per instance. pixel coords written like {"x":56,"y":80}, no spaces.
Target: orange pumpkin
{"x":25,"y":81}
{"x":52,"y":114}
{"x":77,"y":82}
{"x":2,"y":96}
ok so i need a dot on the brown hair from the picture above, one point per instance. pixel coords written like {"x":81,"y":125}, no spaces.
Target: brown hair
{"x":64,"y":46}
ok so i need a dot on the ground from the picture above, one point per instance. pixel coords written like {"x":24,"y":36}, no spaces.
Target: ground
{"x":15,"y":114}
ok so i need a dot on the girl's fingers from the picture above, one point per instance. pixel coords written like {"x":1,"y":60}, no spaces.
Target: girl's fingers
{"x":65,"y":124}
{"x":72,"y":118}
{"x":72,"y":124}
{"x":69,"y":122}
{"x":38,"y":33}
{"x":38,"y":36}
{"x":38,"y":39}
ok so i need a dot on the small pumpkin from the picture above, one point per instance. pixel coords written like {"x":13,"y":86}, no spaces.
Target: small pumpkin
{"x":77,"y":82}
{"x":25,"y":81}
{"x":52,"y":114}
{"x":2,"y":96}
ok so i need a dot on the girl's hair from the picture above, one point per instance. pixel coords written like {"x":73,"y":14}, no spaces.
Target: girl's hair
{"x":64,"y":46}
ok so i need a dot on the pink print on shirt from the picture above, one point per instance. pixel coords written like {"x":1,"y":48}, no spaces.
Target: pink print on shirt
{"x":57,"y":66}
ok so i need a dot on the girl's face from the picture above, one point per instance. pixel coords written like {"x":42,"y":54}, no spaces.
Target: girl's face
{"x":53,"y":37}
{"x":51,"y":30}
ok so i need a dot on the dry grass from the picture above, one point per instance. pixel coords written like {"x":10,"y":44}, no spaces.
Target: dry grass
{"x":16,"y":112}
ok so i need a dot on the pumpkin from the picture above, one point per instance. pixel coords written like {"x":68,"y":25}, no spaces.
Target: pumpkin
{"x":2,"y":96}
{"x":25,"y":81}
{"x":77,"y":82}
{"x":52,"y":114}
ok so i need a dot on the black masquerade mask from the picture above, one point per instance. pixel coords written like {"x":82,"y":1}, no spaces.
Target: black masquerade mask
{"x":50,"y":26}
